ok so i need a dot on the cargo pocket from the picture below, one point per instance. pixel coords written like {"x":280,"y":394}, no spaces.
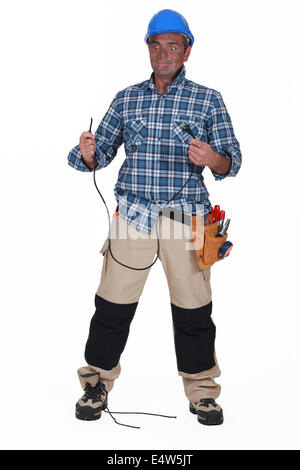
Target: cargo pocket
{"x":104,"y":247}
{"x":104,"y":252}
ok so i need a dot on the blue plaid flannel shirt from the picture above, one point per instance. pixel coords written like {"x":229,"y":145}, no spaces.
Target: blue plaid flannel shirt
{"x":150,"y":124}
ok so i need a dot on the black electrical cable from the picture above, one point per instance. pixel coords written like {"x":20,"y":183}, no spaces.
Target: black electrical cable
{"x":111,"y":413}
{"x":188,"y":130}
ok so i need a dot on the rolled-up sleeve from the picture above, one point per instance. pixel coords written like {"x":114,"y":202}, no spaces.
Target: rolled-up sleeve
{"x":221,"y":136}
{"x":108,"y":138}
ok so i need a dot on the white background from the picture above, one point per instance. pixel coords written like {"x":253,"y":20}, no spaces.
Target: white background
{"x":63,"y":62}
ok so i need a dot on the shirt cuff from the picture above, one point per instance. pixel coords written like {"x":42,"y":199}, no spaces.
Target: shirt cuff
{"x":218,"y":176}
{"x":83,"y":162}
{"x":87,"y":167}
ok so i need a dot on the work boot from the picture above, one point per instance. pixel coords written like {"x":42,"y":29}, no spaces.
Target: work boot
{"x":208,"y":411}
{"x":89,"y":407}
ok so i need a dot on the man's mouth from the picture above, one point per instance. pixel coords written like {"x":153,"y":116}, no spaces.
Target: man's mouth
{"x":163,"y":64}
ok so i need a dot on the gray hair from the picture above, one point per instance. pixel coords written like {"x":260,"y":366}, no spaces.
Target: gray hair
{"x":186,"y":41}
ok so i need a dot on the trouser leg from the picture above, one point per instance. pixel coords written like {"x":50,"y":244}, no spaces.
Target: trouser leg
{"x":107,"y":376}
{"x":194,"y":337}
{"x":117,"y":298}
{"x":201,"y":384}
{"x":191,"y":306}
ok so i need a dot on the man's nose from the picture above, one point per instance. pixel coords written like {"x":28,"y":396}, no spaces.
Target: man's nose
{"x":163,"y":53}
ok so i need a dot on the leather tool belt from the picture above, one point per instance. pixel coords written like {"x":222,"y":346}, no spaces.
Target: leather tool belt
{"x":207,"y":244}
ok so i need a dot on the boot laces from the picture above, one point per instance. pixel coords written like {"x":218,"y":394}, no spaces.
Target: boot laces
{"x":132,"y":413}
{"x":206,"y":402}
{"x":94,"y":393}
{"x":99,"y":389}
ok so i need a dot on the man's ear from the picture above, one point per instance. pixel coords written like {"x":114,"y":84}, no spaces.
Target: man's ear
{"x":187,"y":53}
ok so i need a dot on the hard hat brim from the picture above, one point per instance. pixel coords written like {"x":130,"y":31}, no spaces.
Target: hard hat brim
{"x":171,"y":30}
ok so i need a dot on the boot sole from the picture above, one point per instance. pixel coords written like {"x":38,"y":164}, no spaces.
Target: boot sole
{"x":211,"y":418}
{"x":87,"y":413}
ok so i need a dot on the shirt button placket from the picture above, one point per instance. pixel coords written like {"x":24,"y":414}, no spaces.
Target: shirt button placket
{"x":159,"y":137}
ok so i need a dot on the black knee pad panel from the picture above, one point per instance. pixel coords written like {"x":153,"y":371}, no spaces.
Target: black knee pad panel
{"x":194,"y":336}
{"x":108,"y":333}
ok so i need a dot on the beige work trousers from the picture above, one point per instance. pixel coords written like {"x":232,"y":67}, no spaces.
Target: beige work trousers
{"x":189,"y":287}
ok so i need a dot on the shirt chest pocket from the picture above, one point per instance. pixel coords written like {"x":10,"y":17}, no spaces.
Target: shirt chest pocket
{"x":136,"y":129}
{"x":196,"y":124}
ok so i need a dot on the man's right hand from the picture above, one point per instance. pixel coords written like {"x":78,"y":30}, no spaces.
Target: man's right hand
{"x":87,"y":147}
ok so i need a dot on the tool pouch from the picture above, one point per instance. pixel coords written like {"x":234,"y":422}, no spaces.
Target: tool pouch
{"x":207,"y":244}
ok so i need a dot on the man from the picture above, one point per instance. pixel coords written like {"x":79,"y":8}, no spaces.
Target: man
{"x":150,"y":118}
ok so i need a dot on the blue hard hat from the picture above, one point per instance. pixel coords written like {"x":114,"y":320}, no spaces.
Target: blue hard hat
{"x":168,"y":21}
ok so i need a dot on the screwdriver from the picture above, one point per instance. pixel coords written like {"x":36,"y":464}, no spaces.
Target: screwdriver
{"x":222,"y":218}
{"x":224,"y":229}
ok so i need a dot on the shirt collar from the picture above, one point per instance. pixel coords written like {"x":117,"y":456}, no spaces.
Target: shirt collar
{"x":177,"y":83}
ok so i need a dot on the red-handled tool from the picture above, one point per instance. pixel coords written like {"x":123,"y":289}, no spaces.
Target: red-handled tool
{"x":222,"y":218}
{"x":214,"y":213}
{"x":217,"y":213}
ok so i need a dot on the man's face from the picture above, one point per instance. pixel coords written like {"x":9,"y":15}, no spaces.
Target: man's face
{"x":167,"y":54}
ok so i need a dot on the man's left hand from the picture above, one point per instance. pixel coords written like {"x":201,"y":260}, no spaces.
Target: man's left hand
{"x":202,"y":154}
